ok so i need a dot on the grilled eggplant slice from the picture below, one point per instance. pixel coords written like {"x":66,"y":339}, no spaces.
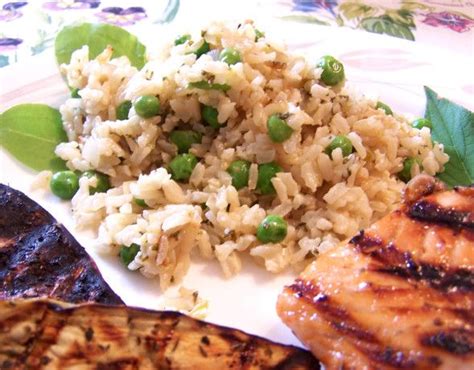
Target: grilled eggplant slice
{"x":43,"y":334}
{"x":400,"y":294}
{"x":40,"y":258}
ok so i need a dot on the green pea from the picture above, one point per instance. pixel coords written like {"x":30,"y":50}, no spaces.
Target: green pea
{"x":182,"y":39}
{"x":230,"y":56}
{"x":266,"y":172}
{"x":340,"y":141}
{"x":405,"y":173}
{"x":209,"y":115}
{"x":239,"y":171}
{"x":140,"y":202}
{"x":278,"y":129}
{"x":64,"y":184}
{"x":183,"y":139}
{"x":182,"y":166}
{"x":258,"y":34}
{"x":333,"y":70}
{"x":127,"y":254}
{"x":203,"y":49}
{"x":122,"y":110}
{"x":147,"y":106}
{"x":272,"y":229}
{"x":384,"y":107}
{"x":75,"y":93}
{"x":103,"y":183}
{"x":422,"y":122}
{"x":205,"y":85}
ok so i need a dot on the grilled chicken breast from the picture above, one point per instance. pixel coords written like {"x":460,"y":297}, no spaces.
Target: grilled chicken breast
{"x":40,"y":334}
{"x":398,"y":295}
{"x":39,"y":258}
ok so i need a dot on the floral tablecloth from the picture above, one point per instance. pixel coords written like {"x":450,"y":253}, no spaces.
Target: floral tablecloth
{"x":28,"y":27}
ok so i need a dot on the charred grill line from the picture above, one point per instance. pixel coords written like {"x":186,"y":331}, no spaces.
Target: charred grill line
{"x":20,"y":213}
{"x":41,"y":258}
{"x":51,"y":335}
{"x":293,"y":361}
{"x":339,"y":319}
{"x":432,"y":212}
{"x":30,"y":345}
{"x":393,"y":261}
{"x":457,"y":341}
{"x":464,"y":314}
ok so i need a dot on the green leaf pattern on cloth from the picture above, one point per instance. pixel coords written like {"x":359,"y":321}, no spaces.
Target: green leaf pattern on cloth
{"x":385,"y":25}
{"x":393,"y":18}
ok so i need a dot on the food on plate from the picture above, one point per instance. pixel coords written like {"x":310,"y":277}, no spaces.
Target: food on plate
{"x":384,"y":107}
{"x":223,"y":130}
{"x":64,"y":184}
{"x":39,"y":258}
{"x":399,"y":294}
{"x":422,"y":122}
{"x":332,"y":70}
{"x":63,"y":336}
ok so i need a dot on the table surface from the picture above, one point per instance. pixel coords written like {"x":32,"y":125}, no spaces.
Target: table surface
{"x":28,"y":28}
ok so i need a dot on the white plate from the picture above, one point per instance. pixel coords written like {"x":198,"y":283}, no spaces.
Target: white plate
{"x":395,"y":69}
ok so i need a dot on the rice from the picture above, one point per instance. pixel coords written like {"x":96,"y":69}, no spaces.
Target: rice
{"x":324,"y":197}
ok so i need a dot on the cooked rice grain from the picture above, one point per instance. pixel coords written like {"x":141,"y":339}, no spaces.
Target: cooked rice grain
{"x":324,"y":198}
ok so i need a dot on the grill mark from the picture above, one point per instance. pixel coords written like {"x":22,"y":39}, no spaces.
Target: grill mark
{"x":456,"y":341}
{"x":345,"y":324}
{"x":431,"y":212}
{"x":35,"y":352}
{"x":32,"y":339}
{"x":297,"y":360}
{"x":395,"y":262}
{"x":43,"y":258}
{"x":247,"y":355}
{"x":383,"y":291}
{"x":127,"y":363}
{"x":465,"y":314}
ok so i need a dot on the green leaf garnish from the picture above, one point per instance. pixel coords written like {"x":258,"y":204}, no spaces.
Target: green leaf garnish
{"x":98,"y":37}
{"x":30,"y":132}
{"x":204,"y":85}
{"x":453,"y":126}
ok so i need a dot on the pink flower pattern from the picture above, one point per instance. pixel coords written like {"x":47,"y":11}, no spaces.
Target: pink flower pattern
{"x":15,"y":12}
{"x":450,"y":20}
{"x":71,"y":4}
{"x":122,"y":16}
{"x":10,"y":11}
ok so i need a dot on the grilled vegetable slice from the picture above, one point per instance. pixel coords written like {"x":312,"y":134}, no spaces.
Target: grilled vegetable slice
{"x":39,"y":258}
{"x":119,"y":337}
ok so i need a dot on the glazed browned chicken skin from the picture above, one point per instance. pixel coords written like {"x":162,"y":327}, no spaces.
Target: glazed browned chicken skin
{"x":398,"y":295}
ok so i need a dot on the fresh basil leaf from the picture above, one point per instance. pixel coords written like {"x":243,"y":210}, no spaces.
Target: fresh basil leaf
{"x":98,"y":37}
{"x":453,"y":126}
{"x":30,"y":132}
{"x":204,"y":85}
